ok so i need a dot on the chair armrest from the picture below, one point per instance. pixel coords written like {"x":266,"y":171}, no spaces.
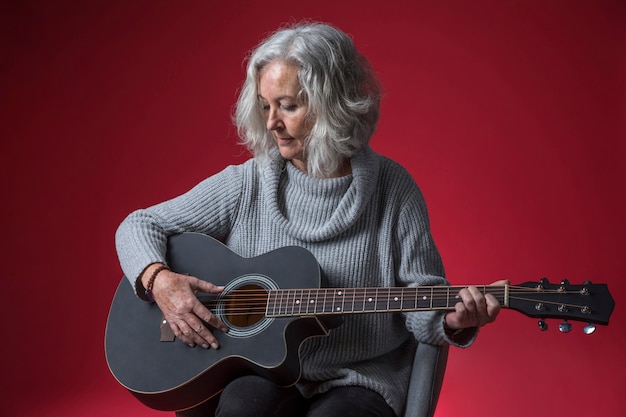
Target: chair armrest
{"x":429,"y":366}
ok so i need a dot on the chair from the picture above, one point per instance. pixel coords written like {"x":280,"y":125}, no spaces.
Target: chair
{"x":429,"y":366}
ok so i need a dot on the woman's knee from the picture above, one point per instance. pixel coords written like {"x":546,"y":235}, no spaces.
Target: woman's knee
{"x":254,"y":396}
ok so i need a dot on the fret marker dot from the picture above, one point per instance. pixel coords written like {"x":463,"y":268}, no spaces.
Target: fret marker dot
{"x":424,"y":298}
{"x":338,"y":309}
{"x":297,"y":301}
{"x":339,"y":293}
{"x":312,"y":302}
{"x":395,"y":298}
{"x":369,"y":300}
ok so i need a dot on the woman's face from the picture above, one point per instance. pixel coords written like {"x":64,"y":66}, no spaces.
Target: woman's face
{"x":284,"y":113}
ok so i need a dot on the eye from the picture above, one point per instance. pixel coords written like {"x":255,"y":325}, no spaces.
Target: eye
{"x":290,"y":107}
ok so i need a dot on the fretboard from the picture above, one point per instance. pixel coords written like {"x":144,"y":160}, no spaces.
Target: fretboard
{"x":323,"y":301}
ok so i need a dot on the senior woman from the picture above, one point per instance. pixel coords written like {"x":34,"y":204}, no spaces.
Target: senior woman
{"x":307,"y":109}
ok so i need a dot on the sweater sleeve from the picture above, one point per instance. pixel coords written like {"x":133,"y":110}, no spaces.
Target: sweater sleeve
{"x":210,"y":208}
{"x":419,"y":263}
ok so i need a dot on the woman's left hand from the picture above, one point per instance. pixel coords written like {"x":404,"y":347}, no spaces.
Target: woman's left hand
{"x":474,"y":310}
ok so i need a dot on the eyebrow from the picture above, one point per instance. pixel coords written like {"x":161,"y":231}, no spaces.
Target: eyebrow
{"x":260,"y":97}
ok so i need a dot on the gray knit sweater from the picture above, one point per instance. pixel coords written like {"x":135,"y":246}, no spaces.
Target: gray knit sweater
{"x":367,"y":229}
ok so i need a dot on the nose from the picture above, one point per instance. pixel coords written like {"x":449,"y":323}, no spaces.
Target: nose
{"x":273,"y":121}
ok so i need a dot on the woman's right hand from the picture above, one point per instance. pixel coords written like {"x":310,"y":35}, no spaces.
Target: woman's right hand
{"x":175,"y":295}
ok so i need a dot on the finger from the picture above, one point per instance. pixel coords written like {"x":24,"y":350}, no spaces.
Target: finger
{"x":204,"y":337}
{"x":493,"y":307}
{"x":469,"y":302}
{"x":198,"y":318}
{"x":204,"y":286}
{"x":207,"y":316}
{"x":478,"y":299}
{"x":457,"y":318}
{"x":182,"y":331}
{"x":476,"y":307}
{"x":193,"y":332}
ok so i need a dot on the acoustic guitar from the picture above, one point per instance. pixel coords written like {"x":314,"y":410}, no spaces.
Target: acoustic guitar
{"x":273,"y":303}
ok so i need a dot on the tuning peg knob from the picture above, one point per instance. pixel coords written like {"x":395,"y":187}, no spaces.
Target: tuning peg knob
{"x":589,"y":328}
{"x":565,"y":327}
{"x":543,"y":326}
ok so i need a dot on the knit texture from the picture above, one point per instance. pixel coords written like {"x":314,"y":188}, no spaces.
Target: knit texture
{"x":367,"y":229}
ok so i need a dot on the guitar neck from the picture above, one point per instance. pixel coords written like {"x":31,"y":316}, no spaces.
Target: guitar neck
{"x":325,"y":301}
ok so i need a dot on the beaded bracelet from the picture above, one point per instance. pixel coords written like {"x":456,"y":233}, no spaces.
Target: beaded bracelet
{"x":148,"y":292}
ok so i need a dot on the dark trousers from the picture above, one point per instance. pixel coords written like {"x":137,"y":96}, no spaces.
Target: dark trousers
{"x":253,"y":396}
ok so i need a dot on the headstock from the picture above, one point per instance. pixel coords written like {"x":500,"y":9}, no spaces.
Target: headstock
{"x":591,"y":303}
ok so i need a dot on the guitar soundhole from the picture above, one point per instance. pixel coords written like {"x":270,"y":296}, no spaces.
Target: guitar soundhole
{"x":243,"y":303}
{"x":245,"y":306}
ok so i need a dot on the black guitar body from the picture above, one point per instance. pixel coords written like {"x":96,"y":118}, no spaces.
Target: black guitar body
{"x":171,"y":376}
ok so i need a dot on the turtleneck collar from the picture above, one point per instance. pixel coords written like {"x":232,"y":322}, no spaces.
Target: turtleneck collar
{"x":352,"y":193}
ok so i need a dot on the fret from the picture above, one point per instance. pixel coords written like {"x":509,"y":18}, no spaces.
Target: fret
{"x":496,"y":292}
{"x":327,"y":305}
{"x":358,"y":304}
{"x":349,"y":295}
{"x":321,"y":301}
{"x":297,"y":302}
{"x":409,"y":299}
{"x":453,"y":297}
{"x":318,"y":307}
{"x":306,"y":301}
{"x":291,"y":302}
{"x":396,"y":299}
{"x":271,"y":304}
{"x":422,"y":298}
{"x":382,"y":299}
{"x":278,"y":303}
{"x":352,"y":305}
{"x":338,"y":300}
{"x":440,"y":296}
{"x":284,"y":300}
{"x":369,"y":299}
{"x":288,"y":303}
{"x":310,"y":302}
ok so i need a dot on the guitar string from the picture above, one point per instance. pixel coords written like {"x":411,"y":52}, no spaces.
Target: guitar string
{"x":256,"y":301}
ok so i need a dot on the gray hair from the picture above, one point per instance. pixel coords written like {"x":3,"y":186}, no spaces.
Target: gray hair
{"x":336,"y":81}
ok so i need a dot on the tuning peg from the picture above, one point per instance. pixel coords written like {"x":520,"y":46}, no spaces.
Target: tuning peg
{"x":565,"y":282}
{"x":543,"y":326}
{"x":589,"y":328}
{"x":565,"y":327}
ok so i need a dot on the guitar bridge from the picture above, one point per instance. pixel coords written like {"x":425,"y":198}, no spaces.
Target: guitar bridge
{"x":167,"y":335}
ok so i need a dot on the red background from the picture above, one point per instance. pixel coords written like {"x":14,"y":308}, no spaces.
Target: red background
{"x":509,"y":114}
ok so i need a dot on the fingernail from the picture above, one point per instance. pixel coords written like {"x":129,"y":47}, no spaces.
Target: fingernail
{"x":205,"y":346}
{"x":214,"y":345}
{"x":191,"y":345}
